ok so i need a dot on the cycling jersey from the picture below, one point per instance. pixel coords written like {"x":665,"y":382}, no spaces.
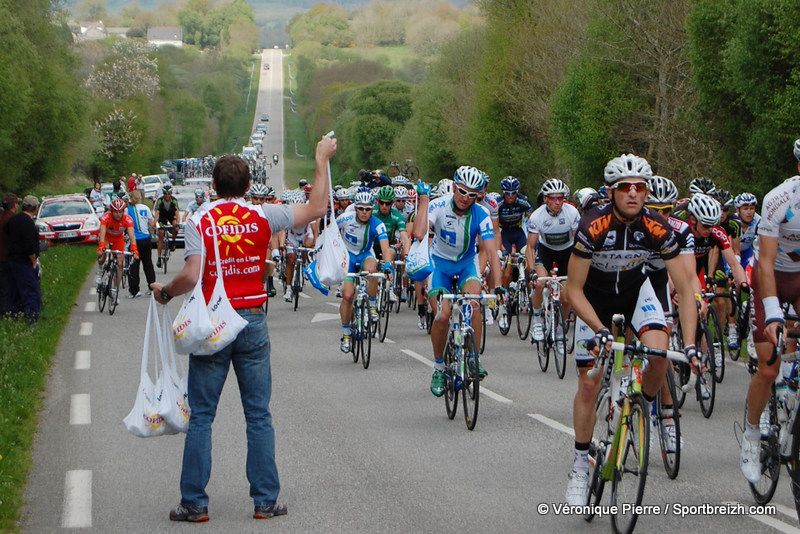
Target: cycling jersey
{"x":455,"y":236}
{"x":491,"y":205}
{"x":511,"y":215}
{"x":618,"y":251}
{"x":748,"y":235}
{"x":393,"y":221}
{"x":556,"y":232}
{"x":166,"y":212}
{"x":192,"y":208}
{"x":779,"y":219}
{"x":358,"y":236}
{"x":297,"y":236}
{"x":683,"y":233}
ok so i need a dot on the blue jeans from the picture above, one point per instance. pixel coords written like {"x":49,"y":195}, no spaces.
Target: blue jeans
{"x":249,"y":354}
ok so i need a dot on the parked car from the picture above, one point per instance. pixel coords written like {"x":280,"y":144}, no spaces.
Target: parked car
{"x":153,"y":184}
{"x":67,"y":219}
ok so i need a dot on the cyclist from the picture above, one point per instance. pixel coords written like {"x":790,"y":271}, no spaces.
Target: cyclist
{"x":606,"y":276}
{"x":166,"y":212}
{"x":260,"y":194}
{"x":360,"y":229}
{"x":585,"y":199}
{"x":114,"y":224}
{"x":395,"y":229}
{"x":343,"y":200}
{"x":401,"y":203}
{"x":457,"y":222}
{"x":748,"y":219}
{"x":511,"y":213}
{"x":300,"y":236}
{"x":551,"y":233}
{"x":191,"y":209}
{"x":775,"y":282}
{"x":733,"y":229}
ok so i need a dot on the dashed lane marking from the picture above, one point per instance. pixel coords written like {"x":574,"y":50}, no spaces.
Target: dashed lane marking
{"x":80,"y":410}
{"x":552,"y":423}
{"x":86,"y":329}
{"x":90,"y":306}
{"x":83,"y":360}
{"x":77,"y":500}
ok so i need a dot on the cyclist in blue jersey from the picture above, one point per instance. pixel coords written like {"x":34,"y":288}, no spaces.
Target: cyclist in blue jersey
{"x":457,"y":222}
{"x":360,"y":228}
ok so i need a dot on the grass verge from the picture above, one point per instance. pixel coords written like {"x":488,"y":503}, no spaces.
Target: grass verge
{"x":24,"y":365}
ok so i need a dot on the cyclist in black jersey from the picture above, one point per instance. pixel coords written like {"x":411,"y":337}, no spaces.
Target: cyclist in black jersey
{"x":606,"y":276}
{"x":166,"y":209}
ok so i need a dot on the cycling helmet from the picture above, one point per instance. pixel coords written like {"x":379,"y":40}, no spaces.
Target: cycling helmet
{"x":400,"y":180}
{"x":705,"y":209}
{"x":212,"y":194}
{"x":337,"y":187}
{"x":386,"y":193}
{"x":445,"y":187}
{"x":583,"y":196}
{"x":509,"y":184}
{"x":400,"y":193}
{"x":297,"y":197}
{"x":166,"y":189}
{"x":342,"y":194}
{"x":554,"y":186}
{"x":363,"y":198}
{"x":485,"y":179}
{"x":626,"y":166}
{"x":285,"y":195}
{"x":796,"y":149}
{"x":259,"y":190}
{"x":199,"y":193}
{"x":723,"y":197}
{"x":497,"y":197}
{"x":662,"y":191}
{"x":117,"y":204}
{"x":302,"y":183}
{"x":745,"y":199}
{"x":412,"y":194}
{"x":434,"y":193}
{"x":270,"y":192}
{"x":468,"y":177}
{"x":701,"y":185}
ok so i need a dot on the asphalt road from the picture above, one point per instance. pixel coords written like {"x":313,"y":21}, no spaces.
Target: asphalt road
{"x":358,"y":450}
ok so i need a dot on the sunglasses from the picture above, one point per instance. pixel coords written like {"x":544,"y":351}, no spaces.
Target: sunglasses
{"x":706,"y":226}
{"x":509,"y":193}
{"x":385,"y":202}
{"x":556,"y":198}
{"x":363,"y":208}
{"x":466,"y":193}
{"x":627,"y":187}
{"x":661,"y":209}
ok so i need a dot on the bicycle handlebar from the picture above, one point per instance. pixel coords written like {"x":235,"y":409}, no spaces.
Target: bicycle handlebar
{"x":641,"y":350}
{"x":468,"y":296}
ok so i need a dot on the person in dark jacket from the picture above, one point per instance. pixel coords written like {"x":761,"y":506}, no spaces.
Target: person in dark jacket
{"x":23,"y":255}
{"x":10,"y":204}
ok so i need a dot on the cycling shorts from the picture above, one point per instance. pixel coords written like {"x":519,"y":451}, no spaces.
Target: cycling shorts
{"x":788,"y":286}
{"x":445,"y":271}
{"x":641,"y":314}
{"x":357,"y":260}
{"x":660,"y":281}
{"x":546,"y":257}
{"x":513,"y":237}
{"x":115,"y":242}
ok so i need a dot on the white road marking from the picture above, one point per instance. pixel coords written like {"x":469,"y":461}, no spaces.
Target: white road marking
{"x":93,"y":290}
{"x":80,"y":411}
{"x":319,"y":317}
{"x":484,"y":390}
{"x":334,"y":304}
{"x":387,"y":340}
{"x":90,"y":306}
{"x":304,"y":296}
{"x":86,"y":329}
{"x":552,"y":423}
{"x":77,"y":500}
{"x":83,"y":360}
{"x":770,"y":521}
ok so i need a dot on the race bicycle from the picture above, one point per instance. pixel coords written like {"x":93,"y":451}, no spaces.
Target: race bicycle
{"x":553,"y":324}
{"x":361,"y":325}
{"x":109,"y":281}
{"x":298,"y":279}
{"x":168,"y":245}
{"x":408,"y":170}
{"x":703,"y":382}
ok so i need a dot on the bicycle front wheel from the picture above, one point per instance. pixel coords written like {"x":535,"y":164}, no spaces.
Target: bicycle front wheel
{"x":524,"y":311}
{"x":450,"y":380}
{"x":471,"y":384}
{"x":793,"y":464}
{"x":366,"y":334}
{"x":630,"y":473}
{"x":113,"y":297}
{"x":385,"y":310}
{"x":670,"y":452}
{"x":102,"y":291}
{"x":770,"y":456}
{"x":706,"y":385}
{"x":412,"y":173}
{"x":559,"y":341}
{"x":718,"y":340}
{"x":602,"y":436}
{"x":355,"y":333}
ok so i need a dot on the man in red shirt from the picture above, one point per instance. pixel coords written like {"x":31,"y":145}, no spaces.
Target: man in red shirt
{"x":132,"y":183}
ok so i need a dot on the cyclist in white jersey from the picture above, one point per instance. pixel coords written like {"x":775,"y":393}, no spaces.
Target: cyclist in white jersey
{"x":776,"y":280}
{"x":552,"y":227}
{"x":746,"y":204}
{"x":299,"y":236}
{"x":457,"y":222}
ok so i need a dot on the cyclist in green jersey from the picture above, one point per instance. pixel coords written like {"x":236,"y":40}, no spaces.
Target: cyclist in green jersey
{"x":394,"y":222}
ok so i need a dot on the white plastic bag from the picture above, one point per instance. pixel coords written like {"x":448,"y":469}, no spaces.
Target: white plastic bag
{"x":226,"y":323}
{"x":192,"y":325}
{"x":331,"y":256}
{"x":174,"y":404}
{"x":145,"y":419}
{"x":418,"y":261}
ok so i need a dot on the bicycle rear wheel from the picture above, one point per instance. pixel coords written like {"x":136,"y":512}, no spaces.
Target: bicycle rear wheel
{"x":742,"y":328}
{"x":559,"y":340}
{"x":102,"y":291}
{"x":366,"y":334}
{"x":764,"y":489}
{"x":718,"y":340}
{"x":793,"y":464}
{"x":630,"y":474}
{"x":483,"y":328}
{"x":412,"y":173}
{"x":602,"y":436}
{"x":471,"y":384}
{"x":113,"y":297}
{"x":504,"y":319}
{"x":385,"y":307}
{"x":450,"y":380}
{"x":355,"y":332}
{"x":524,"y":311}
{"x":669,"y":454}
{"x":705,"y":350}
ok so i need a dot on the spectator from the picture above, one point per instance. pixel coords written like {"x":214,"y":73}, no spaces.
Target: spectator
{"x":132,"y":183}
{"x":96,"y":196}
{"x":140,"y":184}
{"x":23,"y":253}
{"x":10,"y":204}
{"x":250,"y":351}
{"x":143,"y":224}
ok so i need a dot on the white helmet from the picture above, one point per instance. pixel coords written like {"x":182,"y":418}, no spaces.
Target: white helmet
{"x":400,"y":193}
{"x":468,"y":177}
{"x":745,"y":199}
{"x":554,"y":186}
{"x":796,"y":149}
{"x":627,"y":166}
{"x":363,"y":198}
{"x":445,"y":187}
{"x":342,"y":194}
{"x":400,"y":180}
{"x":662,"y":191}
{"x":705,"y":209}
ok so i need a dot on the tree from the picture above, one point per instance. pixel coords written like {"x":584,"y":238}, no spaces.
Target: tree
{"x":91,"y":10}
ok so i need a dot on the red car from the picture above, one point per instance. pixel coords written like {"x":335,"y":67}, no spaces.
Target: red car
{"x":67,"y":219}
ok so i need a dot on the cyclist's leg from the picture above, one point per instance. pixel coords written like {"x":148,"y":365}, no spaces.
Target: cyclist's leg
{"x":370,"y":264}
{"x":160,"y":245}
{"x":440,"y":324}
{"x":650,"y":326}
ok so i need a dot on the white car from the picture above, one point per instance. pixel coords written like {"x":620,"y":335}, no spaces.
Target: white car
{"x":67,"y":219}
{"x":153,"y":184}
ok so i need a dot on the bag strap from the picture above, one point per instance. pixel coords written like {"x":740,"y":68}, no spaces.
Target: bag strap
{"x":216,"y":251}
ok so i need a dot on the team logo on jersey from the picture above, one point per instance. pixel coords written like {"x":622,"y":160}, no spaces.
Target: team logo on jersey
{"x":638,"y":236}
{"x":232,"y":228}
{"x":547,"y":223}
{"x":611,"y":239}
{"x":654,"y":227}
{"x":599,"y":225}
